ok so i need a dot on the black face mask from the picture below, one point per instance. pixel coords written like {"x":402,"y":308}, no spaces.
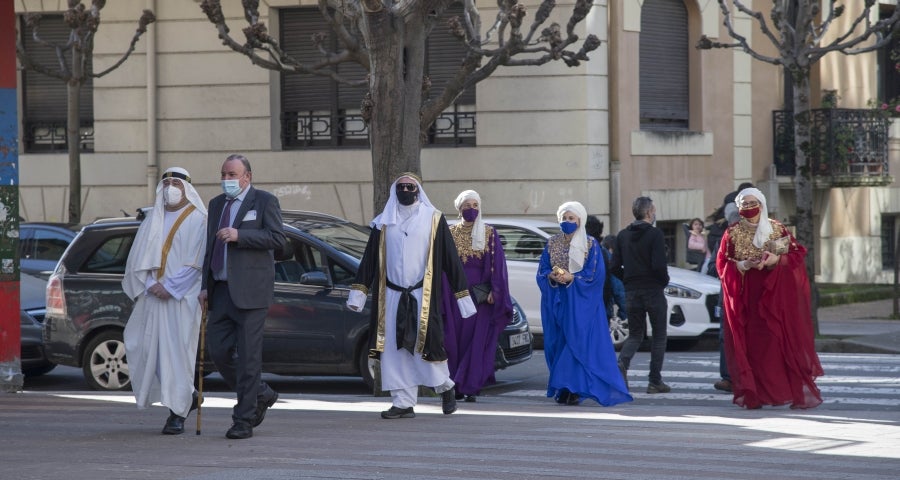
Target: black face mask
{"x":407,"y":198}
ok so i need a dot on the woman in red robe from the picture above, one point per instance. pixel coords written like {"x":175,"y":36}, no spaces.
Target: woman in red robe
{"x":769,"y":339}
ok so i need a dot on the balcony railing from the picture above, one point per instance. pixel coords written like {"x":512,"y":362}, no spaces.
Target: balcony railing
{"x":348,"y":130}
{"x":49,"y":137}
{"x":848,"y":147}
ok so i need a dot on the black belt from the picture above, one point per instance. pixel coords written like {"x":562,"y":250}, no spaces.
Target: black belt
{"x":407,"y":316}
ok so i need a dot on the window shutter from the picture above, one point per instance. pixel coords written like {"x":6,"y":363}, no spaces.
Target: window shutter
{"x":445,"y":55}
{"x":664,"y":65}
{"x":303,"y":92}
{"x":45,"y":96}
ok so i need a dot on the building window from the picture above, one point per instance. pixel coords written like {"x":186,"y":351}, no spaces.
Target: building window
{"x":44,"y":98}
{"x":669,"y":231}
{"x":888,"y":240}
{"x":318,"y":112}
{"x":664,"y":65}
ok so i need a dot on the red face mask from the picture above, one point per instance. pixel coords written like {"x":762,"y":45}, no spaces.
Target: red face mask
{"x":749,"y":212}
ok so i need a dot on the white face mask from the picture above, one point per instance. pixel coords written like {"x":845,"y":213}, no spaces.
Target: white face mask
{"x":232,"y":188}
{"x":172,"y":195}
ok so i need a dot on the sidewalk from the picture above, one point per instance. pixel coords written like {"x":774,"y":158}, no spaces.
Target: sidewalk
{"x":859,"y":328}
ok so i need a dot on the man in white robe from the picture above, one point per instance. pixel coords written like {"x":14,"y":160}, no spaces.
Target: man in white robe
{"x":162,"y":276}
{"x":409,"y":250}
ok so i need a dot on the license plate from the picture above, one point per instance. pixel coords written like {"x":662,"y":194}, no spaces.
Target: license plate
{"x":519,"y":339}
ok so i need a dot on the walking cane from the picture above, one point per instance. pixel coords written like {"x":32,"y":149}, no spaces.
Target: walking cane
{"x":200,"y":367}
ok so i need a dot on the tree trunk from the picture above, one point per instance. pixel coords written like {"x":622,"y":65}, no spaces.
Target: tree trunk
{"x":397,"y":58}
{"x":73,"y":144}
{"x":803,"y":183}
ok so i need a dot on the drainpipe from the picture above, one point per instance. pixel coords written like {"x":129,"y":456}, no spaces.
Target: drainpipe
{"x":152,"y":133}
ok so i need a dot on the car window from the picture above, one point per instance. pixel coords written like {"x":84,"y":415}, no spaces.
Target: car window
{"x":342,"y":276}
{"x":110,"y":256}
{"x":520,"y":244}
{"x":300,"y":258}
{"x":48,"y":244}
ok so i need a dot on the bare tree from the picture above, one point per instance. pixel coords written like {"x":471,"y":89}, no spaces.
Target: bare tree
{"x":72,"y":59}
{"x":388,"y":38}
{"x":798,"y":29}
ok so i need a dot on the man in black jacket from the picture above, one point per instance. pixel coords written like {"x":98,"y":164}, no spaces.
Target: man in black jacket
{"x":640,"y":260}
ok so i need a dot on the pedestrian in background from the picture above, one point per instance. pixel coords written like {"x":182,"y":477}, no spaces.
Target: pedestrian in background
{"x":472,"y":342}
{"x":409,"y":251}
{"x":769,"y":342}
{"x":162,"y":276}
{"x":577,"y":345}
{"x":617,"y":289}
{"x":239,"y":283}
{"x":727,"y":215}
{"x":639,"y":259}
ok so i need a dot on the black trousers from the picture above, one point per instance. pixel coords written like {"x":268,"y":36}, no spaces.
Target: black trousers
{"x":235,"y":340}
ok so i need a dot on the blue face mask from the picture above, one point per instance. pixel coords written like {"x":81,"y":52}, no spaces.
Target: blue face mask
{"x":232,"y":188}
{"x":568,"y":227}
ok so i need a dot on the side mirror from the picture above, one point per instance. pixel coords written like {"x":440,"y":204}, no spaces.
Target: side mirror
{"x":315,"y":278}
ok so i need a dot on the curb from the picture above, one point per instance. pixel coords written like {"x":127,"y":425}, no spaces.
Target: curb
{"x":850,"y":345}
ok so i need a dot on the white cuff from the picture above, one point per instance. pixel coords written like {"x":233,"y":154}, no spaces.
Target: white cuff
{"x":356,"y":300}
{"x":466,"y":306}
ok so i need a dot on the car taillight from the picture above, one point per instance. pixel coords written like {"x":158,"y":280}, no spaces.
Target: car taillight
{"x":56,"y":301}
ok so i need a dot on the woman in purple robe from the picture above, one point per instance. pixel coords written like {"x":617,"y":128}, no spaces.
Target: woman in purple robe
{"x":471,"y":343}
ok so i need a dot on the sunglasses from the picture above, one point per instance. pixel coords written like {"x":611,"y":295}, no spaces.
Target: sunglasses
{"x":407,"y":187}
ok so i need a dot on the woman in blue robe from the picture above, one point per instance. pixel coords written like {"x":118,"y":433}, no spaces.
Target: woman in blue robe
{"x":577,"y":345}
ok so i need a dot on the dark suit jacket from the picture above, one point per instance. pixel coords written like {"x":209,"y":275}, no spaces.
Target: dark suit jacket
{"x":250,"y":261}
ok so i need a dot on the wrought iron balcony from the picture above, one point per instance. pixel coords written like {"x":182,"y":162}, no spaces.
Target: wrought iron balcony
{"x":848,"y":147}
{"x":348,"y":130}
{"x":50,"y":137}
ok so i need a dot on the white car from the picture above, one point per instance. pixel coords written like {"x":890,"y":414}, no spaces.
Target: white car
{"x":692,"y":297}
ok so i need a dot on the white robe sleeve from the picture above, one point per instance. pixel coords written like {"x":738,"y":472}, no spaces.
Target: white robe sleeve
{"x":179,"y":284}
{"x":356,"y":300}
{"x":466,"y":306}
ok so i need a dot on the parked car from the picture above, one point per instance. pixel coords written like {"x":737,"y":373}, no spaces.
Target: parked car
{"x":41,"y":244}
{"x":308,"y":331}
{"x":32,"y":298}
{"x":692,"y":296}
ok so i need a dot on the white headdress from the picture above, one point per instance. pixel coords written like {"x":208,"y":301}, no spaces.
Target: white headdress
{"x":578,"y":247}
{"x":478,"y":224}
{"x":391,"y":213}
{"x":764,"y":229}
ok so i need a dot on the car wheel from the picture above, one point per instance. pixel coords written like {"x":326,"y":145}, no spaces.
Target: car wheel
{"x":367,"y":367}
{"x":618,"y":331}
{"x":105,"y":365}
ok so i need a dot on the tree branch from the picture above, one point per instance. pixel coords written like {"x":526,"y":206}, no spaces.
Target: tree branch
{"x":146,"y":19}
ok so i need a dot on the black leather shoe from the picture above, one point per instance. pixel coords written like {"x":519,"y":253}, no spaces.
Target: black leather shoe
{"x":562,"y":397}
{"x":448,"y":401}
{"x":471,"y":398}
{"x":262,"y":407}
{"x":397,"y":412}
{"x":239,"y":431}
{"x":174,"y":425}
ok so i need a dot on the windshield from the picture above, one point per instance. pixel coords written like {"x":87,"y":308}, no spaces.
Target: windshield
{"x":551,"y":230}
{"x":347,"y":238}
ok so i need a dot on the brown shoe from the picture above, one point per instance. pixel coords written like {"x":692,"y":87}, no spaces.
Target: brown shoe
{"x":723,"y":385}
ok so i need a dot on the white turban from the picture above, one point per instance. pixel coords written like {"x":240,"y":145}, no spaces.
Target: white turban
{"x":578,"y":247}
{"x":764,"y":229}
{"x":478,"y":225}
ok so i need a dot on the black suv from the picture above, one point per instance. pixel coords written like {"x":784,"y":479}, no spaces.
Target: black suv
{"x":309,"y":329}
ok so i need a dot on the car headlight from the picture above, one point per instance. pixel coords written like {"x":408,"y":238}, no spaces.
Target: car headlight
{"x":677,"y":291}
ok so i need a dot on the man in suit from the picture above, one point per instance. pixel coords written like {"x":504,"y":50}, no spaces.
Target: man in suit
{"x":243,"y":231}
